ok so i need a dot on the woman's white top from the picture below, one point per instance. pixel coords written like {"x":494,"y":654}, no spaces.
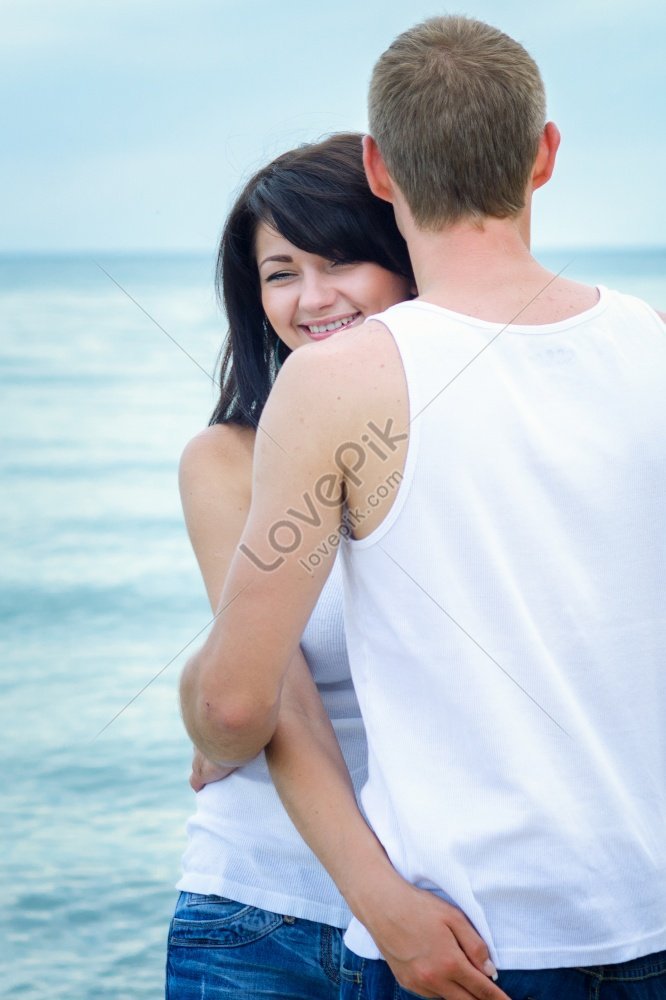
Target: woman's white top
{"x":507,"y":632}
{"x":241,"y":843}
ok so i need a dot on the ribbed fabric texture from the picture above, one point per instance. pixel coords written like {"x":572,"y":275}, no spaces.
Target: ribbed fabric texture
{"x":506,"y":627}
{"x":241,"y":843}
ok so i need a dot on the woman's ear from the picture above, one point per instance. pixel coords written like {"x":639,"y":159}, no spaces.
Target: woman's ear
{"x":379,"y":179}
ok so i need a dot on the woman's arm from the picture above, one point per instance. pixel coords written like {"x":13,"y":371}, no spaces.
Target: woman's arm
{"x":215,"y":480}
{"x":416,"y":932}
{"x":431,"y":947}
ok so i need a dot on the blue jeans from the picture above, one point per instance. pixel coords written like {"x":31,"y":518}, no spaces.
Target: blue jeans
{"x":640,"y":979}
{"x":219,"y":948}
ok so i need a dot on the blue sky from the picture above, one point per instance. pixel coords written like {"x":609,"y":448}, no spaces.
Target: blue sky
{"x":129,"y":125}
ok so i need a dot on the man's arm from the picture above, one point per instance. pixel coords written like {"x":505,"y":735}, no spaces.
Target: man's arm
{"x":215,"y":480}
{"x":230,"y":690}
{"x":328,"y":401}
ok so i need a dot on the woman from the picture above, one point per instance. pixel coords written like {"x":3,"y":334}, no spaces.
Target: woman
{"x":307,"y":250}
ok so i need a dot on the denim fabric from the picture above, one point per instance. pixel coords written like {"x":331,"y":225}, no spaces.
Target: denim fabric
{"x":220,"y":948}
{"x":640,"y":979}
{"x":368,"y":979}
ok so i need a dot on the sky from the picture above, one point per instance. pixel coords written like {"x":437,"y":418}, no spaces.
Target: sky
{"x":129,"y":125}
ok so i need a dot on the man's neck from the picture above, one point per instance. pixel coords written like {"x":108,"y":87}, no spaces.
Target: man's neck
{"x":469,"y":259}
{"x":486,"y":270}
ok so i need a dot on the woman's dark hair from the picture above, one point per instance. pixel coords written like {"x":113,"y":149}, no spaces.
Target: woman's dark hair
{"x":318,"y":198}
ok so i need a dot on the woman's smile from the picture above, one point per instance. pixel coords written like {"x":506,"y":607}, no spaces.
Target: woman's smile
{"x":325,"y":327}
{"x":308,"y":297}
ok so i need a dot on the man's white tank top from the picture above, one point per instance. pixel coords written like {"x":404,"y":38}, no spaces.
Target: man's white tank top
{"x":241,"y":843}
{"x":506,"y":627}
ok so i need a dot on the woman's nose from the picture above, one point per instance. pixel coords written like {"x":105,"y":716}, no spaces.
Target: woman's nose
{"x":317,"y":293}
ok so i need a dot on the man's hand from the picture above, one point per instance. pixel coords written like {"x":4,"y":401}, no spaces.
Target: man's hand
{"x":204,"y":772}
{"x":432,"y":948}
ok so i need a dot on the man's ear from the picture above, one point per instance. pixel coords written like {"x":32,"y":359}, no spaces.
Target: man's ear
{"x":379,"y":179}
{"x":545,"y":159}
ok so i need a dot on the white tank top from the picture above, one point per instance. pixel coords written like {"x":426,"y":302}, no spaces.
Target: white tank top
{"x":241,"y":843}
{"x":506,"y":628}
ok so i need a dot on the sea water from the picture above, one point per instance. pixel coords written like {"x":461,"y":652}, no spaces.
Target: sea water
{"x":107,"y":368}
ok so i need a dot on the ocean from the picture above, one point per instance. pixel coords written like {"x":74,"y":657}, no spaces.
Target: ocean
{"x":107,"y":367}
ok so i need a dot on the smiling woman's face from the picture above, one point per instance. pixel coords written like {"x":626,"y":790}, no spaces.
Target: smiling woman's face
{"x":308,"y":298}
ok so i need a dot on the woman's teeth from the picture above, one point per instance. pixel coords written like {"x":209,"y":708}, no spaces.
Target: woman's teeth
{"x":330,"y":327}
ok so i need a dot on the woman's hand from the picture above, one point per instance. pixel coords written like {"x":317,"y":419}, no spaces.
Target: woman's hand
{"x":431,"y":947}
{"x":204,"y":772}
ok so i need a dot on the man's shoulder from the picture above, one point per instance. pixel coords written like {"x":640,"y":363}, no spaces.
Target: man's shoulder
{"x":636,"y":305}
{"x":342,"y":360}
{"x":328,"y":387}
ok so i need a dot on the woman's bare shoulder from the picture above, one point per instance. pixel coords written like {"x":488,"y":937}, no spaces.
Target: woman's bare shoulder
{"x":215,"y":480}
{"x":224,"y":450}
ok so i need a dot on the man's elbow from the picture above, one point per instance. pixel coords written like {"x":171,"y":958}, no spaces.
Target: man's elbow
{"x":228,"y":727}
{"x":239,"y":727}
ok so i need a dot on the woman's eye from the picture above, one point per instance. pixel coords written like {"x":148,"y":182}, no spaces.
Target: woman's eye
{"x":279,"y":276}
{"x":342,"y":263}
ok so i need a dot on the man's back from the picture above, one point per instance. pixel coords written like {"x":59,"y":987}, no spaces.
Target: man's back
{"x":506,"y":623}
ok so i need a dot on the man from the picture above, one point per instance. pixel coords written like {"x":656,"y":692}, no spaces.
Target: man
{"x":499,"y":445}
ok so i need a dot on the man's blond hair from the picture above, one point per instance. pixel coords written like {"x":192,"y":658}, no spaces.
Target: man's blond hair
{"x":456,"y":108}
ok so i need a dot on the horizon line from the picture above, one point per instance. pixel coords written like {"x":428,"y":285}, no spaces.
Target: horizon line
{"x":205,"y":252}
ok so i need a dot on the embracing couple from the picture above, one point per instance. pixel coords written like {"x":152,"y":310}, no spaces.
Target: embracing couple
{"x":481,"y":443}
